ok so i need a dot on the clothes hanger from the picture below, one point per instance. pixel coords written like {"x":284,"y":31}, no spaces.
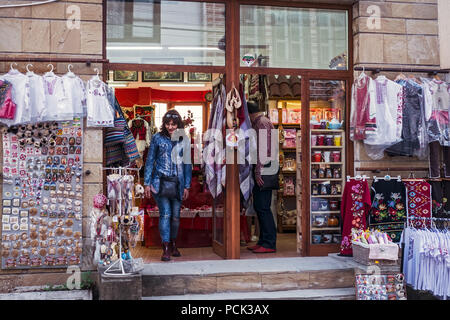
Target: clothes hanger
{"x":96,"y":78}
{"x":29,"y":72}
{"x":70,"y":73}
{"x":401,"y":76}
{"x":50,"y":73}
{"x":11,"y":69}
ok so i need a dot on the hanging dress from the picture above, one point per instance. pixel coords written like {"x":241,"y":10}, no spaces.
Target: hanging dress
{"x":99,"y":111}
{"x":354,"y":210}
{"x":418,"y":200}
{"x":362,"y":119}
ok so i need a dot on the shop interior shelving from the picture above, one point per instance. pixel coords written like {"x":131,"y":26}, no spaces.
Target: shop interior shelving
{"x":325,"y":231}
{"x":287,"y":206}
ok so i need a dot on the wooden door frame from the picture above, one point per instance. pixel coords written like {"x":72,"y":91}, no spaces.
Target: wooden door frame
{"x":230,"y":249}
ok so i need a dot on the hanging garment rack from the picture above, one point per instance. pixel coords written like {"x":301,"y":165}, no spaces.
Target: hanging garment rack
{"x":375,"y":70}
{"x":429,"y":219}
{"x":358,"y":177}
{"x":88,"y":61}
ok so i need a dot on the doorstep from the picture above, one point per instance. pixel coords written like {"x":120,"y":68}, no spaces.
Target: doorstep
{"x":251,"y":275}
{"x":242,"y":266}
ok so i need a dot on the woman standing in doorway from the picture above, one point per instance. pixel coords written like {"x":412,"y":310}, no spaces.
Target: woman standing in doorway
{"x":159,"y":169}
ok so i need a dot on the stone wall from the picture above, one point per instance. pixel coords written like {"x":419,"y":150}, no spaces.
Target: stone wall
{"x":406,"y":37}
{"x":42,"y":31}
{"x":444,"y":34}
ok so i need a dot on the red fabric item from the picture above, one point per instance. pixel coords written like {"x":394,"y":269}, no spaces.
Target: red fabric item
{"x":355,"y":207}
{"x":138,"y":128}
{"x":418,"y":194}
{"x":361,"y":121}
{"x":193,"y":232}
{"x":7,"y":105}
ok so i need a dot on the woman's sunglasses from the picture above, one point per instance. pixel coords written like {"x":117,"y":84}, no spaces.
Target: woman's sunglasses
{"x":170,"y":115}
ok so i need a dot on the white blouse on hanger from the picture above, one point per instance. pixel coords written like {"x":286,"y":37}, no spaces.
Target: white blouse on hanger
{"x":76,"y":95}
{"x":99,"y":111}
{"x":38,"y":104}
{"x":386,"y":99}
{"x":20,"y":96}
{"x":55,"y":96}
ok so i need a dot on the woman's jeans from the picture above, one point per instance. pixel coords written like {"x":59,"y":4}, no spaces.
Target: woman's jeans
{"x":169,"y":217}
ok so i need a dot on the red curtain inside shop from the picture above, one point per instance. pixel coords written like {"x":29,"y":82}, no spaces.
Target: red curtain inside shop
{"x":129,"y":97}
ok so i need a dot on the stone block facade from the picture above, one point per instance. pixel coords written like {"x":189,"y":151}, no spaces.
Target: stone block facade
{"x":49,"y":31}
{"x":399,"y":34}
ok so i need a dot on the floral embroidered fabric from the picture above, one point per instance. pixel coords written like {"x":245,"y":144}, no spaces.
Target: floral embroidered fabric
{"x":388,"y":212}
{"x":354,"y":209}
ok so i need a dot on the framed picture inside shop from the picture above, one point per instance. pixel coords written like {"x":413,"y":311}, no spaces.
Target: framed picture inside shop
{"x":156,"y":76}
{"x":199,"y":77}
{"x":42,"y":195}
{"x":121,"y":75}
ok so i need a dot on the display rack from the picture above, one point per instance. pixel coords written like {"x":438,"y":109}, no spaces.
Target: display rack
{"x":118,"y":264}
{"x":287,"y":213}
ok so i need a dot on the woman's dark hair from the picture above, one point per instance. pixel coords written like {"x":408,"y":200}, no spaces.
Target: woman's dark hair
{"x":171,"y":115}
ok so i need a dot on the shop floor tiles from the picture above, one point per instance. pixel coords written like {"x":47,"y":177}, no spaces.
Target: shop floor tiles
{"x":286,"y":247}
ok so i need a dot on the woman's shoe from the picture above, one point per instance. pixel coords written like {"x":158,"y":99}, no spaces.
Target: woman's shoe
{"x":166,"y":252}
{"x":175,"y":251}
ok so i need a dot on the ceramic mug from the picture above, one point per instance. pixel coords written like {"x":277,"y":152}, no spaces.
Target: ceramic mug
{"x":315,"y":205}
{"x":320,"y":140}
{"x":329,"y":140}
{"x":337,"y":238}
{"x":313,"y":140}
{"x":317,"y":156}
{"x":316,"y":238}
{"x":336,"y":156}
{"x":324,"y":205}
{"x":337,"y":140}
{"x":327,"y":156}
{"x":327,"y":238}
{"x":334,"y":205}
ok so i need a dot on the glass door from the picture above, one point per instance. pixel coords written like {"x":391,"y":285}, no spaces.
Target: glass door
{"x":327,"y":101}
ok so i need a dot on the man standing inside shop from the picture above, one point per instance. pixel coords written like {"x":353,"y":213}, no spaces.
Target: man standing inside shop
{"x":262,"y":191}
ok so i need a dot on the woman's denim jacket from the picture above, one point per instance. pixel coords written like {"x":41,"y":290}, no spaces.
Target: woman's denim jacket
{"x":159,"y":162}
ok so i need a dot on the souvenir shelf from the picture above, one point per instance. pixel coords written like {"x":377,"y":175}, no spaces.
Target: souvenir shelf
{"x":327,"y":173}
{"x":289,"y":112}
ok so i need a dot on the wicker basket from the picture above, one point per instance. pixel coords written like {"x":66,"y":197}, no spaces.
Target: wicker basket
{"x":361,"y":255}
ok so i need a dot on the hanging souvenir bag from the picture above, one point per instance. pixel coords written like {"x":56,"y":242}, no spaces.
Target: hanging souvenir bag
{"x":115,"y":135}
{"x":7,"y":105}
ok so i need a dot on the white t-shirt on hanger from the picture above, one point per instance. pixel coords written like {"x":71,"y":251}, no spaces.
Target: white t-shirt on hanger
{"x":75,"y":91}
{"x":38,"y":104}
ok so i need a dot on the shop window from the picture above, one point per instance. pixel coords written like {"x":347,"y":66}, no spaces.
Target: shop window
{"x":160,"y":110}
{"x":294,"y":37}
{"x":195,"y":112}
{"x":165,"y":32}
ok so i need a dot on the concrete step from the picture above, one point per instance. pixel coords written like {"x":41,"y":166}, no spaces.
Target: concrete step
{"x":305,"y":294}
{"x":255,"y":275}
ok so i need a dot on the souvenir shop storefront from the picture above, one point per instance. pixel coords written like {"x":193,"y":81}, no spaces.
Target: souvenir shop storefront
{"x":301,"y":81}
{"x":294,"y":59}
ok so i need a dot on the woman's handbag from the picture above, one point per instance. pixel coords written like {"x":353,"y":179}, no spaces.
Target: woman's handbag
{"x":168,"y":187}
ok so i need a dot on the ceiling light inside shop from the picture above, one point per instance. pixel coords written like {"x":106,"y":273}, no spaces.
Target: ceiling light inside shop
{"x":181,"y":85}
{"x":194,"y":48}
{"x":134,"y":48}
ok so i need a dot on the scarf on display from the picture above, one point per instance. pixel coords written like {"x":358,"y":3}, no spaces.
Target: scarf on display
{"x":215,"y":172}
{"x":245,"y":177}
{"x":418,"y":201}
